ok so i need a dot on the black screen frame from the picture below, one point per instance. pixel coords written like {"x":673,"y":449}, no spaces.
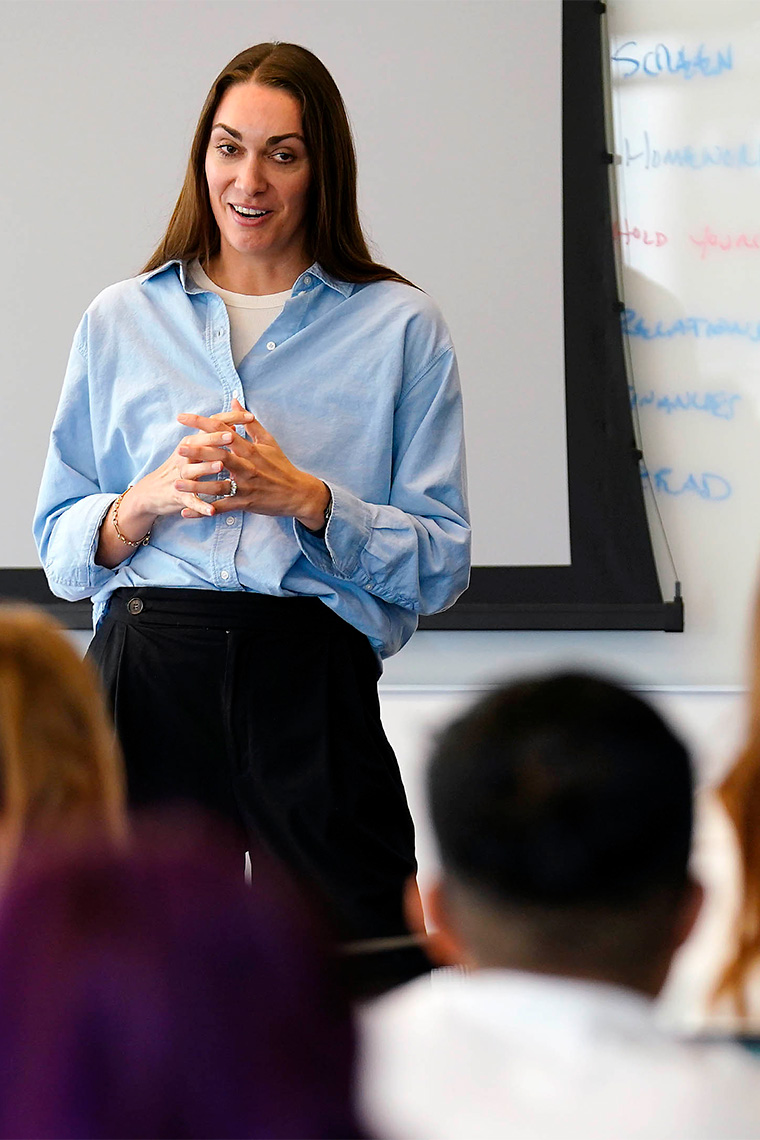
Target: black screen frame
{"x":611,"y":581}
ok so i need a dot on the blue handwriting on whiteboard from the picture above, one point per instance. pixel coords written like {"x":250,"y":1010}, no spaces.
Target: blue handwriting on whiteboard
{"x":707,"y":486}
{"x":719,"y":404}
{"x":671,"y":61}
{"x":740,"y":157}
{"x":635,"y":325}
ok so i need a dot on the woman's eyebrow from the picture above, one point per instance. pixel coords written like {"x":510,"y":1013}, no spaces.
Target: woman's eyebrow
{"x":229,"y":130}
{"x":273,"y":140}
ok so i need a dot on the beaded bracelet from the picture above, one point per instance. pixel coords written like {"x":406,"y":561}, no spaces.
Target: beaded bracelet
{"x":115,"y":517}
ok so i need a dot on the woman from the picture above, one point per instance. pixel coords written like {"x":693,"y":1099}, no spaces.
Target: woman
{"x":248,"y":582}
{"x":60,"y":769}
{"x":150,"y":993}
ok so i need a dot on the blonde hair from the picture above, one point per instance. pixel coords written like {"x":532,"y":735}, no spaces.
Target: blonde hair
{"x":740,"y":795}
{"x":60,"y":766}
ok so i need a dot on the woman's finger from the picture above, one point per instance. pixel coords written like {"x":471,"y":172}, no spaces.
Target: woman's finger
{"x":239,"y":411}
{"x":208,"y":439}
{"x":203,"y":454}
{"x":236,"y":415}
{"x":196,"y":506}
{"x":211,"y":423}
{"x":208,"y":487}
{"x":258,"y":432}
{"x":243,"y":462}
{"x":195,"y":470}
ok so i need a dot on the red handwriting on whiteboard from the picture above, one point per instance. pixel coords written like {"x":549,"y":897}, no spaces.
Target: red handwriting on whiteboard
{"x":627,"y":233}
{"x":710,"y":240}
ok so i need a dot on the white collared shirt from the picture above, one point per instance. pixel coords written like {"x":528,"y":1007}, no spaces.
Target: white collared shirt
{"x":509,"y":1054}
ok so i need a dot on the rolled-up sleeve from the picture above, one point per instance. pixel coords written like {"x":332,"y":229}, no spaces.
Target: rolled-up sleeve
{"x":71,"y":505}
{"x":414,"y":551}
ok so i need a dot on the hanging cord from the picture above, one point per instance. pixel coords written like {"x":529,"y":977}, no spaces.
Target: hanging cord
{"x":617,"y":192}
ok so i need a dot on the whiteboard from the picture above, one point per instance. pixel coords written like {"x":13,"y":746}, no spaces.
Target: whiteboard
{"x":99,"y":104}
{"x":685,"y":96}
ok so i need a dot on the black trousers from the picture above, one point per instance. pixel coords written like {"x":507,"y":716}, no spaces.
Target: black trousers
{"x":265,"y":710}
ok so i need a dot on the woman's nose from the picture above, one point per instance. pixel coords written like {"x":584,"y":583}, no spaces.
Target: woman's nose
{"x":251,"y":179}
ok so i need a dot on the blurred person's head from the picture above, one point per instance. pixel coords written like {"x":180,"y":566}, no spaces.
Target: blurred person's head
{"x":563,"y":812}
{"x":740,"y":794}
{"x":149,"y":992}
{"x":60,"y":767}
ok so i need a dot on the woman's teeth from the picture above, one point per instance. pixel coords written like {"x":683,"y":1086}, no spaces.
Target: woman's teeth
{"x":244,"y":213}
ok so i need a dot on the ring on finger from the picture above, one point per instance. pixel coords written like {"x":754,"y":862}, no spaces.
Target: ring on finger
{"x":233,"y":488}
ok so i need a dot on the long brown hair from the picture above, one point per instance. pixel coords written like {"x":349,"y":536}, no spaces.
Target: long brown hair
{"x":333,"y":231}
{"x":60,"y":767}
{"x":740,"y":794}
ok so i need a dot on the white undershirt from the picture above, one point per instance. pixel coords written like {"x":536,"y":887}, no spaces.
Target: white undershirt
{"x":249,"y":316}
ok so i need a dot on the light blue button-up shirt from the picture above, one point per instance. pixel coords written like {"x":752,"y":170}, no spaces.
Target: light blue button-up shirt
{"x":359,"y":386}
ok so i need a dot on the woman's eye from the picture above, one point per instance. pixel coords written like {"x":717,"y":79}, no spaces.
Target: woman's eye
{"x":227,"y":149}
{"x":283,"y":156}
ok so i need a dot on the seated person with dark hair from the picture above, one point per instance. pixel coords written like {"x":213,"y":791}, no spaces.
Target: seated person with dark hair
{"x":563,"y":812}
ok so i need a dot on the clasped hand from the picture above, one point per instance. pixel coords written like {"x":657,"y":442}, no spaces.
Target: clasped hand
{"x":267,"y":482}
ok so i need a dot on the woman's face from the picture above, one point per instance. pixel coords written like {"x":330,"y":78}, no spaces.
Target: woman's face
{"x":257,"y":170}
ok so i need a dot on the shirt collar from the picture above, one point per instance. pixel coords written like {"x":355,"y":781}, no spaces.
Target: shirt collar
{"x":305,"y":281}
{"x":316,"y":270}
{"x":547,"y":999}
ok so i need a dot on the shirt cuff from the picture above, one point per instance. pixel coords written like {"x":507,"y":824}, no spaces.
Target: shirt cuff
{"x":75,"y":577}
{"x":338,"y":551}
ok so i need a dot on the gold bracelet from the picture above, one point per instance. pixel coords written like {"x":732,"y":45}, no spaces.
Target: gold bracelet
{"x":115,"y":518}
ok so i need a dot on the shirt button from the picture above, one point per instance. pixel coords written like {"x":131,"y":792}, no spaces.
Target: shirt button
{"x":236,"y":395}
{"x":307,"y":280}
{"x":271,"y":345}
{"x":224,"y":575}
{"x":230,"y":522}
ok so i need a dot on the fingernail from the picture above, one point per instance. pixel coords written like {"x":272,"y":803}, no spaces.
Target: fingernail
{"x":216,"y":467}
{"x":227,"y":437}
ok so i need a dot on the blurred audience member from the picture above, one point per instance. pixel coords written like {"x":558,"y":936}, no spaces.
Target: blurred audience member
{"x":563,"y":812}
{"x":150,"y":993}
{"x":715,"y":983}
{"x":739,"y":980}
{"x":60,"y":768}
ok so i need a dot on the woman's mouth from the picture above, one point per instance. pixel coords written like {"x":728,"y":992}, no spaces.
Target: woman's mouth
{"x":249,"y":214}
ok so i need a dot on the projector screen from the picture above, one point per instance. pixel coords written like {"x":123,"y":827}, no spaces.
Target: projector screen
{"x":453,"y":191}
